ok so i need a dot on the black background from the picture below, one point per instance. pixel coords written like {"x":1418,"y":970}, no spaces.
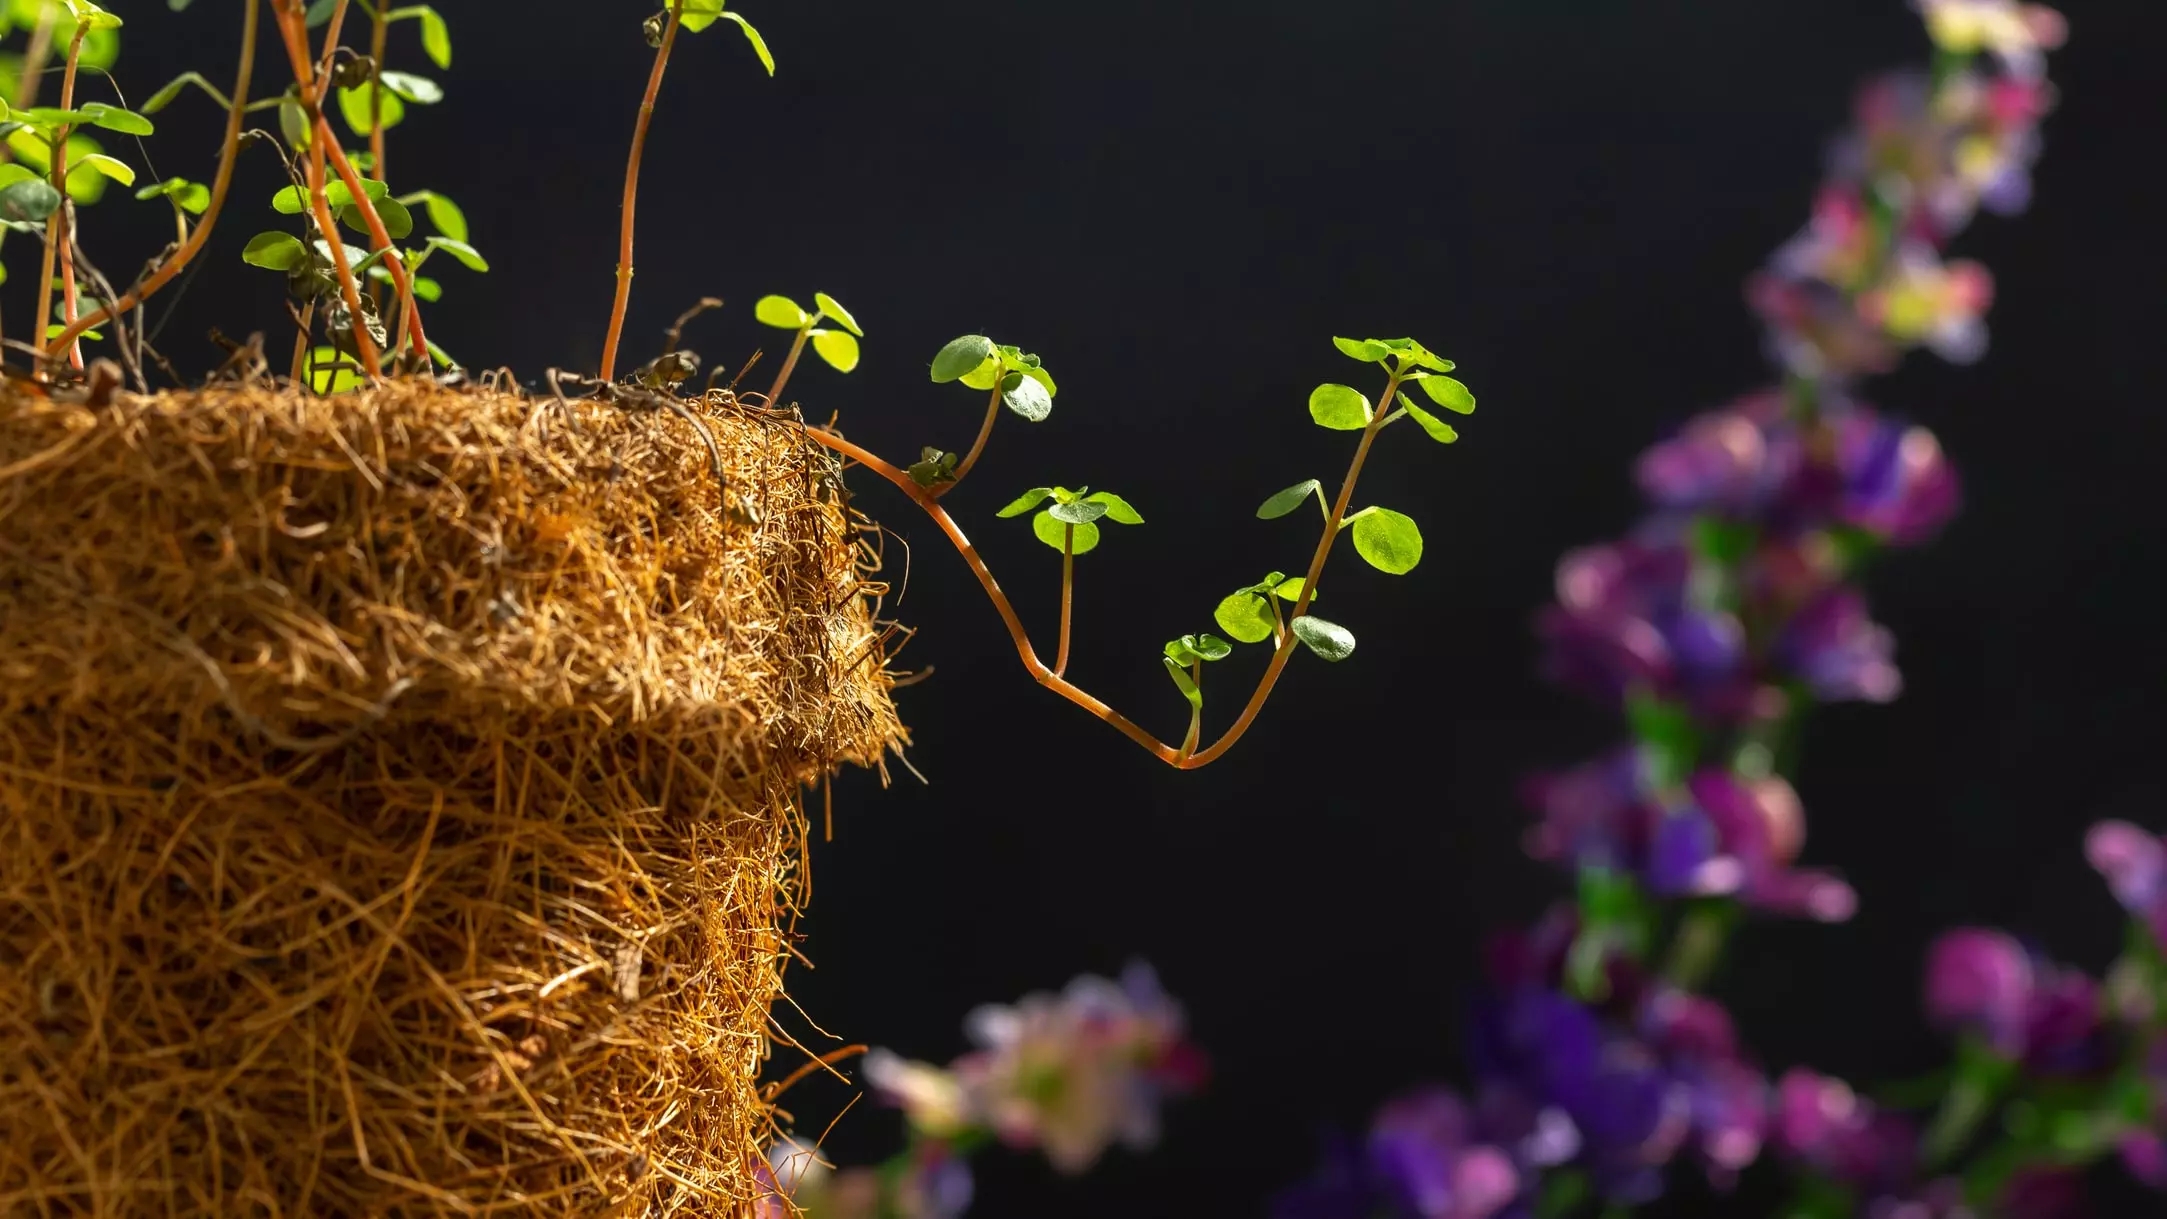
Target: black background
{"x":1177,"y":203}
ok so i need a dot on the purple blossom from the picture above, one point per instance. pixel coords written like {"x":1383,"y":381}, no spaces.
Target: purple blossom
{"x":2134,"y":863}
{"x":1841,"y":654}
{"x":1821,"y":1123}
{"x":1895,"y":482}
{"x":1423,"y":1151}
{"x":2024,"y":1006}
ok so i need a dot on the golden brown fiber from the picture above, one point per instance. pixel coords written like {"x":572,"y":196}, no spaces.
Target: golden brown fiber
{"x":399,"y":797}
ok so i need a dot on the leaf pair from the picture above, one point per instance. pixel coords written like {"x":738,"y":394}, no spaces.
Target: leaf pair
{"x":838,"y":347}
{"x":398,"y":222}
{"x":1190,"y":650}
{"x":980,"y":363}
{"x":1071,"y":522}
{"x":363,"y":106}
{"x":1247,"y":613}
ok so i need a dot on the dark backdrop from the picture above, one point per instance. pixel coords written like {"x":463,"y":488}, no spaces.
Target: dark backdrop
{"x":1177,"y":202}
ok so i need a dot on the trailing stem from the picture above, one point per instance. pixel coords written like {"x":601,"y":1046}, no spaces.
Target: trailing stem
{"x":985,"y":433}
{"x":1181,"y":758}
{"x":293,"y":29}
{"x":173,"y":266}
{"x":632,"y":191}
{"x":56,"y":231}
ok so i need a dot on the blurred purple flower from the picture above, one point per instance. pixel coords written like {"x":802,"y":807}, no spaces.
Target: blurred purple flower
{"x":1896,"y":484}
{"x":2134,"y":863}
{"x":2024,"y":1006}
{"x":1423,"y":1152}
{"x":1841,"y":654}
{"x":1626,"y":619}
{"x":1822,"y":1123}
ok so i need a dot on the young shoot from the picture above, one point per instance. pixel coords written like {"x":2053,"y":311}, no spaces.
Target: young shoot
{"x":1010,"y":376}
{"x":837,"y":345}
{"x":1070,"y":525}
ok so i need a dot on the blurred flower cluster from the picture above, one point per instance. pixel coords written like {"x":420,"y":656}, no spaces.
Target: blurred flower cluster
{"x":1068,"y":1075}
{"x":1597,"y":1068}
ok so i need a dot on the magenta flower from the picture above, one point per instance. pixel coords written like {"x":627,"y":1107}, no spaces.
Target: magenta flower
{"x":1981,"y":980}
{"x":1425,"y":1157}
{"x":2134,"y":863}
{"x":1895,"y":481}
{"x":1823,"y":1124}
{"x":1840,"y":653}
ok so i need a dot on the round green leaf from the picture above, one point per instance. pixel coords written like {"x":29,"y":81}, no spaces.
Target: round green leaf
{"x":1051,"y":531}
{"x":1245,"y":616}
{"x":1339,"y":407}
{"x":113,"y":118}
{"x":1450,"y":394}
{"x":961,"y":357}
{"x":1389,"y":541}
{"x":426,"y":289}
{"x":1117,"y":508}
{"x":1438,"y":429}
{"x":398,"y":222}
{"x":1026,"y":501}
{"x":443,"y":213}
{"x":419,"y":90}
{"x":829,"y":308}
{"x":1181,"y":652}
{"x":354,"y":107}
{"x":1210,"y":647}
{"x":468,"y":256}
{"x":275,"y":251}
{"x":1080,"y":512}
{"x":1184,"y":683}
{"x":837,"y":347}
{"x":1291,"y":590}
{"x":1328,"y":640}
{"x":435,"y":35}
{"x":29,"y":200}
{"x":1369,"y":351}
{"x":780,"y":312}
{"x":1288,"y":500}
{"x":1026,"y":397}
{"x":111,"y":167}
{"x":1423,"y":357}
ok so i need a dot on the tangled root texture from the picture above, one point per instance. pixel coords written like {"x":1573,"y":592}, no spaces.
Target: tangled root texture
{"x":400,"y":797}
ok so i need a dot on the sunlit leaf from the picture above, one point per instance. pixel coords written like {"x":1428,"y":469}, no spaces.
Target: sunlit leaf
{"x":1291,"y":590}
{"x":1117,"y":508}
{"x":1339,"y":407}
{"x":1246,"y":617}
{"x":354,"y":107}
{"x":1025,"y":396}
{"x":1389,"y":541}
{"x":435,"y":35}
{"x":1026,"y":501}
{"x":759,"y":44}
{"x":419,"y":90}
{"x":1078,"y":512}
{"x":1051,"y":531}
{"x":1209,"y":646}
{"x":780,"y":312}
{"x":111,"y":167}
{"x":829,"y":307}
{"x":1328,"y":640}
{"x":961,"y":357}
{"x":1438,"y":429}
{"x":838,"y":347}
{"x":1450,"y":394}
{"x":1369,"y":351}
{"x":113,"y":118}
{"x":468,"y":256}
{"x":1183,"y":682}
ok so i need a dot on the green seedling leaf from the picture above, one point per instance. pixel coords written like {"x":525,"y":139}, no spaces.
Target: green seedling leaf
{"x":1438,"y":429}
{"x":697,"y":15}
{"x":443,"y":213}
{"x":320,"y":12}
{"x":90,"y":17}
{"x":962,"y":357}
{"x":1450,"y":394}
{"x":29,"y":200}
{"x":189,"y":196}
{"x":1422,"y":357}
{"x":837,"y":347}
{"x":933,"y":468}
{"x":111,"y":167}
{"x":1026,"y":396}
{"x":293,"y":122}
{"x":435,"y":35}
{"x":419,"y":90}
{"x":1026,"y":501}
{"x":1183,"y":682}
{"x":468,"y":256}
{"x":55,"y":330}
{"x":1291,"y":590}
{"x":780,"y":312}
{"x":1246,"y":616}
{"x":354,"y":107}
{"x":293,"y":201}
{"x":1051,"y":532}
{"x":759,"y":44}
{"x":1369,"y":351}
{"x":1288,"y":500}
{"x":334,"y":373}
{"x":1079,"y":512}
{"x":1339,"y":407}
{"x":1389,"y":541}
{"x":1117,"y":509}
{"x":1181,"y":652}
{"x":113,"y":118}
{"x":1209,"y":646}
{"x":398,"y":222}
{"x":1329,"y":640}
{"x":841,"y":316}
{"x":426,"y":290}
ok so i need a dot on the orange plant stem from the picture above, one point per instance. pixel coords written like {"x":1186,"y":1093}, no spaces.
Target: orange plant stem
{"x":227,"y":154}
{"x":1068,"y":590}
{"x":985,"y":432}
{"x":293,"y":29}
{"x":1181,"y":758}
{"x":377,"y":233}
{"x":632,"y":192}
{"x":58,"y":230}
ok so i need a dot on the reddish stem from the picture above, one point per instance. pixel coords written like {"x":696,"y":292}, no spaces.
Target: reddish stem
{"x":1068,"y":588}
{"x":632,"y":192}
{"x":985,"y":432}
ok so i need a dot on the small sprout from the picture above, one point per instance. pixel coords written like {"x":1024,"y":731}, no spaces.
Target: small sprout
{"x":668,"y":370}
{"x":1369,"y":351}
{"x":1288,"y":500}
{"x":1389,"y":541}
{"x":1190,"y":649}
{"x":1080,"y":510}
{"x":841,"y":316}
{"x":1339,"y":407}
{"x":933,"y":468}
{"x":1329,"y":640}
{"x":699,"y":14}
{"x":1185,"y":683}
{"x":1450,"y":394}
